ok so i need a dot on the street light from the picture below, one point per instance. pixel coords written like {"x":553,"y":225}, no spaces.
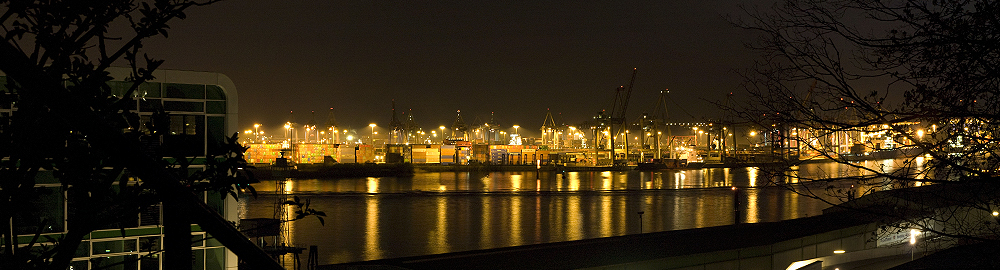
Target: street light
{"x":255,"y":134}
{"x":373,"y":132}
{"x":442,"y":134}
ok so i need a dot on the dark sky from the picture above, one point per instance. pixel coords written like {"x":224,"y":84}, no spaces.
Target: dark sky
{"x":513,"y":58}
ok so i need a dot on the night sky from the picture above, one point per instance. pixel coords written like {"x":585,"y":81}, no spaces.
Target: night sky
{"x":514,"y":58}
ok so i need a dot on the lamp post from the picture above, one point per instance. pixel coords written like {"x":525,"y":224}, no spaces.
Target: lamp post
{"x":372,"y":125}
{"x":256,"y":134}
{"x":288,"y":132}
{"x":442,"y":134}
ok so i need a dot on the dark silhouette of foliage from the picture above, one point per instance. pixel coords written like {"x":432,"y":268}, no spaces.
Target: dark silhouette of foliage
{"x":65,"y":121}
{"x":912,"y":80}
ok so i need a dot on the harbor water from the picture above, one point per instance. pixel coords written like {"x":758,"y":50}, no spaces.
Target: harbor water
{"x":440,"y":212}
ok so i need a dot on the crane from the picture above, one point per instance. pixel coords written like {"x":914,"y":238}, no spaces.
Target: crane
{"x":618,"y":110}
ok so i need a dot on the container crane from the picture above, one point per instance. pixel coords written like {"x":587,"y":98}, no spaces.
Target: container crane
{"x":618,"y":110}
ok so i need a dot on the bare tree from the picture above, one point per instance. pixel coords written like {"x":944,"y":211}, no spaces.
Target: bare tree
{"x":915,"y":81}
{"x":55,"y":56}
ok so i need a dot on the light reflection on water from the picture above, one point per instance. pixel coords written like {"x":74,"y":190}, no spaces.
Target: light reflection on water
{"x":429,"y":213}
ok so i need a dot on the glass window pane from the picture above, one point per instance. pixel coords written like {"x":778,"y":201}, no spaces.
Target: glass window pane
{"x":83,"y":250}
{"x":130,"y":245}
{"x":127,"y":262}
{"x":176,"y":124}
{"x":149,"y":243}
{"x":212,"y":241}
{"x":149,"y":89}
{"x":214,"y":200}
{"x":178,"y":90}
{"x":215,"y":259}
{"x":150,"y":262}
{"x":197,"y":240}
{"x":192,"y":124}
{"x":78,"y":265}
{"x":216,"y":134}
{"x":218,"y":107}
{"x":118,"y":89}
{"x":184,"y":106}
{"x":199,"y":259}
{"x":150,"y":105}
{"x":106,"y":247}
{"x":215,"y":92}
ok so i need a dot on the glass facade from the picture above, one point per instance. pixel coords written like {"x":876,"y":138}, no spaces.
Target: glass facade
{"x":196,"y":126}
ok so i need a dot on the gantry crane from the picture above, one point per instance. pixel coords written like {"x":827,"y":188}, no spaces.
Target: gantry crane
{"x":618,"y":110}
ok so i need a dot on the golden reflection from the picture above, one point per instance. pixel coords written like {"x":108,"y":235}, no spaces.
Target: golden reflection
{"x":605,"y":221}
{"x":699,"y":217}
{"x":678,"y":177}
{"x":752,"y":175}
{"x":486,"y":237}
{"x":289,"y":186}
{"x":793,"y":205}
{"x":574,"y":181}
{"x":373,"y":249}
{"x":372,"y":185}
{"x":606,"y":180}
{"x":487,"y":182}
{"x":288,"y":228}
{"x":559,"y":180}
{"x":727,"y":178}
{"x":515,"y":181}
{"x":753,"y":216}
{"x":515,"y":221}
{"x":439,"y":236}
{"x":574,"y":230}
{"x":622,"y":227}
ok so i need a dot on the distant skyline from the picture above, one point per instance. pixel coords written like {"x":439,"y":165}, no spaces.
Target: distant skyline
{"x":515,"y":59}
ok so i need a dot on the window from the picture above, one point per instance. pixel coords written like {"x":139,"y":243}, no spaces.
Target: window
{"x":184,"y":106}
{"x":186,"y":136}
{"x":184,"y":124}
{"x":215,"y":92}
{"x":188,"y":91}
{"x":149,"y":243}
{"x":149,"y":90}
{"x":216,"y":135}
{"x":215,"y":259}
{"x":127,"y":262}
{"x":216,"y":107}
{"x":150,"y":105}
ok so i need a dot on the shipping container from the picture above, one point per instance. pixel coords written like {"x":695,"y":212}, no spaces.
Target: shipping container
{"x":447,"y":154}
{"x":347,"y":154}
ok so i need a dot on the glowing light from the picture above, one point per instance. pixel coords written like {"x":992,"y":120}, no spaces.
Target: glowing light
{"x":995,"y":213}
{"x":839,"y":251}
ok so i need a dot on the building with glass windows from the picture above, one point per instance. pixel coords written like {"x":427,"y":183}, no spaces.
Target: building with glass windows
{"x":202,"y":109}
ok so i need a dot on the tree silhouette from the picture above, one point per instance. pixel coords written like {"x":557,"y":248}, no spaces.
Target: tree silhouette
{"x":912,"y":80}
{"x":64,"y":120}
